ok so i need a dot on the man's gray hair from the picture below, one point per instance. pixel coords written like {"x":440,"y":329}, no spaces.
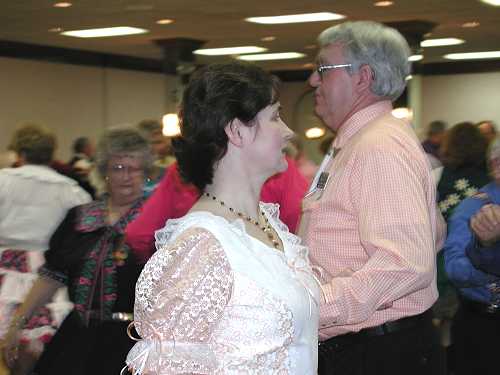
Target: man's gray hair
{"x":381,"y":47}
{"x":122,"y":139}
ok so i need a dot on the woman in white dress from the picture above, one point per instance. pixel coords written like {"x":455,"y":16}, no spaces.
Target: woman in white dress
{"x":230,"y":290}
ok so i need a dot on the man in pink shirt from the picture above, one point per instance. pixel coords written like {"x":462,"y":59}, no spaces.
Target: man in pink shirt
{"x":173,"y":199}
{"x":370,"y":217}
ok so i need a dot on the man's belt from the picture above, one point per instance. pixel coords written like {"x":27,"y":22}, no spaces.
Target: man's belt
{"x":383,"y":329}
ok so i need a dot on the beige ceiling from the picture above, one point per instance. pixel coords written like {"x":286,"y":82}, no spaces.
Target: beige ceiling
{"x":221,"y":24}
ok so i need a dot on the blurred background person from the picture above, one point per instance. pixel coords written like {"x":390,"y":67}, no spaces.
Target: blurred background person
{"x":160,"y":144}
{"x":471,"y":260}
{"x":34,"y":199}
{"x":83,"y":154}
{"x":162,"y":151}
{"x":463,"y":154}
{"x":465,"y":170}
{"x":488,"y":129}
{"x":435,"y":134}
{"x":306,"y":167}
{"x":82,"y":163}
{"x":87,"y":253}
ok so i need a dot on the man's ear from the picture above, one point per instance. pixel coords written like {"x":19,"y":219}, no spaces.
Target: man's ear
{"x":366,"y":77}
{"x":233,"y":132}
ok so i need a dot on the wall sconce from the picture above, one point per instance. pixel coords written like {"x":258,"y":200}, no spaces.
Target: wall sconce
{"x":314,"y":132}
{"x":403,"y":113}
{"x":170,"y":123}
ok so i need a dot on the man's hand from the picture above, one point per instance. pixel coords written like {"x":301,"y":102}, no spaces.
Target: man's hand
{"x":486,"y":224}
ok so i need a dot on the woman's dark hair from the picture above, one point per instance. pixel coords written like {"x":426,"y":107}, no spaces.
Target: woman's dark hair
{"x":216,"y":95}
{"x":464,"y":146}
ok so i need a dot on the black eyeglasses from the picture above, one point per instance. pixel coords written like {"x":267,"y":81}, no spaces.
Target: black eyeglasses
{"x":325,"y":68}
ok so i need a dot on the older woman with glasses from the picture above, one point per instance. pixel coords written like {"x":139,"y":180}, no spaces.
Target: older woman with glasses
{"x":87,"y":254}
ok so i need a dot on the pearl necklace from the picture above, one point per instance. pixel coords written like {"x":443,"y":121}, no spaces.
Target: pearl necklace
{"x":266,"y":228}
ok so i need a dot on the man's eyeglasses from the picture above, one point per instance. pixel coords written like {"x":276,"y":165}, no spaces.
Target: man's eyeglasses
{"x":325,"y":68}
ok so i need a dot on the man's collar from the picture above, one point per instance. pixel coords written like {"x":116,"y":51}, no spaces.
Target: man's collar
{"x":359,"y":119}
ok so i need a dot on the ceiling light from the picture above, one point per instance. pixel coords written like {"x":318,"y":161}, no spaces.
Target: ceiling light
{"x":441,"y":42}
{"x":408,"y":77}
{"x":473,"y":55}
{"x":62,"y":5}
{"x":383,"y":3}
{"x":268,"y":38}
{"x":229,"y":50}
{"x":315,"y":132}
{"x":470,"y":24}
{"x":272,"y":56}
{"x":164,"y":21}
{"x":295,"y":18}
{"x":108,"y":31}
{"x":55,"y":30}
{"x":415,"y":57}
{"x":492,"y":2}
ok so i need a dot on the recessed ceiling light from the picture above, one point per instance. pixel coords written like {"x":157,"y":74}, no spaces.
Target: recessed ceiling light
{"x":492,"y":2}
{"x":272,"y":56}
{"x":164,"y":21}
{"x":315,"y":132}
{"x":441,"y":42}
{"x":55,"y":30}
{"x":415,"y":57}
{"x":383,"y":3}
{"x":229,"y":50}
{"x":295,"y":18}
{"x":470,"y":24}
{"x":104,"y":32}
{"x":268,"y":38}
{"x":62,"y":5}
{"x":473,"y":55}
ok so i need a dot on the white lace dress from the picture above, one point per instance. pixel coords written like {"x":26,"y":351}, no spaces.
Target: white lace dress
{"x":214,"y":300}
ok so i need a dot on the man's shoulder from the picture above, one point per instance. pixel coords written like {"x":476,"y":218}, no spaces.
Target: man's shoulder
{"x":389,"y":135}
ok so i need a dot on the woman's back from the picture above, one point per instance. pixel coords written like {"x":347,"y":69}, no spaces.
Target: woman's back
{"x":33,"y":201}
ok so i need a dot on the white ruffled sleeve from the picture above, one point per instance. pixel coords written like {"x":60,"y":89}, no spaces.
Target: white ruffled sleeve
{"x":180,"y":298}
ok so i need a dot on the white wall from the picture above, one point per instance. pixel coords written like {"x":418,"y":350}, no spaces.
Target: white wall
{"x":80,"y":101}
{"x":76,"y":100}
{"x":461,"y":97}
